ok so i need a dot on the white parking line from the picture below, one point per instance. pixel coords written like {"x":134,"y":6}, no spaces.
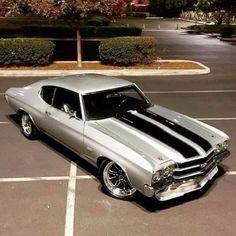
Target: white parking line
{"x":191,"y":91}
{"x":70,"y":204}
{"x":230,"y":173}
{"x":33,"y":179}
{"x":3,"y":123}
{"x":50,"y":178}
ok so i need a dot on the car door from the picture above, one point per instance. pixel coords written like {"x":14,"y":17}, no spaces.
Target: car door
{"x":63,"y":119}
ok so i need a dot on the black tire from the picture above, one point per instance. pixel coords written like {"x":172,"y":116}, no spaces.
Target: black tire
{"x":28,"y":128}
{"x":115,"y":182}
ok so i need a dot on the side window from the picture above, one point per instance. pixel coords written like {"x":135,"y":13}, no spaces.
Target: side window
{"x":47,"y":93}
{"x":67,"y":101}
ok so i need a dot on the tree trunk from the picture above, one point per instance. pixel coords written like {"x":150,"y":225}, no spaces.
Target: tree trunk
{"x":79,"y":57}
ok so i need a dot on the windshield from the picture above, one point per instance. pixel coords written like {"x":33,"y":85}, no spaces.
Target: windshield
{"x":109,"y":103}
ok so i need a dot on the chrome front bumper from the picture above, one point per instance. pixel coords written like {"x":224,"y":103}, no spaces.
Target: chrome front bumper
{"x":179,"y":189}
{"x":175,"y":190}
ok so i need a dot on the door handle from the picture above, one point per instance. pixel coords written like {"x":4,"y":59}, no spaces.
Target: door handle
{"x":47,"y":113}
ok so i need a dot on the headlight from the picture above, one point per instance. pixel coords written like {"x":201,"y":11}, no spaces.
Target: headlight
{"x":222,"y":146}
{"x":168,"y":171}
{"x":164,"y":173}
{"x":157,"y":176}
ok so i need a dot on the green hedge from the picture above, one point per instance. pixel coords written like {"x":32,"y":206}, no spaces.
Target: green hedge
{"x":86,"y":31}
{"x":26,"y":52}
{"x":116,"y":31}
{"x":209,"y":28}
{"x":97,"y":21}
{"x":128,"y":50}
{"x":48,"y":31}
{"x":227,"y":31}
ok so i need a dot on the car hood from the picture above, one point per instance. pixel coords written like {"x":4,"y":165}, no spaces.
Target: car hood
{"x":161,"y":134}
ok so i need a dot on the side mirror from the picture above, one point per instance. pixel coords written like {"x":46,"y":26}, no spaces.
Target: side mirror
{"x":74,"y":115}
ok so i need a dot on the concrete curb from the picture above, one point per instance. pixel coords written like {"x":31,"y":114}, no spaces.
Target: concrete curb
{"x":233,"y":39}
{"x":115,"y":72}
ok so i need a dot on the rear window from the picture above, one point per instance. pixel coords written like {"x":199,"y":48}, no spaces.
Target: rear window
{"x":47,"y":93}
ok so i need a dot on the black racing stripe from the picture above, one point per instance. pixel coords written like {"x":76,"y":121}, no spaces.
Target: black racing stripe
{"x":158,"y":133}
{"x":204,"y":144}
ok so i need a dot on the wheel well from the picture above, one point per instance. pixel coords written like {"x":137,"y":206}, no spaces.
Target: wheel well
{"x":100,"y":160}
{"x":20,"y":112}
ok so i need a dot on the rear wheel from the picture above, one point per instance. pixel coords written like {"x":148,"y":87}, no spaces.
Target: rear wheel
{"x":27,"y":127}
{"x":115,"y":181}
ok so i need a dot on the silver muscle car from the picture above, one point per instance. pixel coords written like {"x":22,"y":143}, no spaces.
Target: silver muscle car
{"x":136,"y":146}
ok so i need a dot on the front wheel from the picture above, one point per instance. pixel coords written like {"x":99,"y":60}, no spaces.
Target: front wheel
{"x":27,"y":127}
{"x":114,"y":181}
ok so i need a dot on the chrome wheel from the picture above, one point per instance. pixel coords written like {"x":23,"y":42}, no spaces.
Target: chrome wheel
{"x":26,"y":124}
{"x":115,"y":181}
{"x":27,"y":127}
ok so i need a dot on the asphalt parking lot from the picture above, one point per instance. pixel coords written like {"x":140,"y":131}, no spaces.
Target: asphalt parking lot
{"x":47,"y":190}
{"x":34,"y":178}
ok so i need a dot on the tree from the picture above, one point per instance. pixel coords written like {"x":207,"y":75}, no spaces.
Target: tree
{"x":168,"y":8}
{"x":9,"y":7}
{"x":221,"y":8}
{"x":72,"y":10}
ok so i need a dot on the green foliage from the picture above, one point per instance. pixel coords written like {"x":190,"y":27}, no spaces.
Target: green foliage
{"x":203,"y":5}
{"x":212,"y":28}
{"x":49,"y":31}
{"x":97,"y":20}
{"x":26,"y":52}
{"x":167,"y":8}
{"x":86,"y":31}
{"x":115,"y":31}
{"x":58,"y":31}
{"x":227,"y":31}
{"x":62,"y":8}
{"x":128,"y":50}
{"x":215,"y":5}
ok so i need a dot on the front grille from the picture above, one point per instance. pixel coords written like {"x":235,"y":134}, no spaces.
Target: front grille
{"x":199,"y":167}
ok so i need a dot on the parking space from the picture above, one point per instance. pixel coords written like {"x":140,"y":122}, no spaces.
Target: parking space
{"x":33,"y":208}
{"x":97,"y":214}
{"x":23,"y":158}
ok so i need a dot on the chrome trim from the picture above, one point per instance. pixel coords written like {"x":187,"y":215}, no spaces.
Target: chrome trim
{"x":179,"y":189}
{"x":148,"y":191}
{"x":201,"y":168}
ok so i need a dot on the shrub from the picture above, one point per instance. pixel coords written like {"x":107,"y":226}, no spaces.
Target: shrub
{"x":98,"y":21}
{"x":116,"y":31}
{"x":26,"y":52}
{"x":141,"y":14}
{"x":58,"y":31}
{"x":227,"y":31}
{"x":140,"y":8}
{"x":128,"y":50}
{"x":166,"y":8}
{"x":49,"y":31}
{"x":87,"y":31}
